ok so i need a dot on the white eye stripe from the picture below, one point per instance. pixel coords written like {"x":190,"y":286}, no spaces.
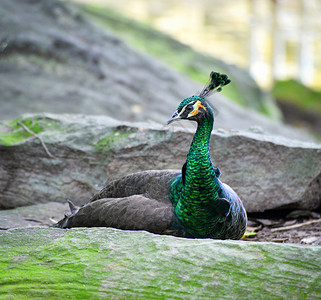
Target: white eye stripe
{"x":182,"y":111}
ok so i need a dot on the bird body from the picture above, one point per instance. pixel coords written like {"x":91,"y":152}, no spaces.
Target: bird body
{"x":191,"y":203}
{"x":206,"y":207}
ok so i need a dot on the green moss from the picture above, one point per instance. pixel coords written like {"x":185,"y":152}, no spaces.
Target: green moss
{"x":104,"y":262}
{"x":46,"y":272}
{"x":107,"y":142}
{"x":11,"y":132}
{"x":292,"y":91}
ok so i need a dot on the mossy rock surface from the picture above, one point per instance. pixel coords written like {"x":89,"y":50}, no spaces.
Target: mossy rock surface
{"x":103,"y":262}
{"x":300,"y":105}
{"x":295,"y":93}
{"x":18,"y":130}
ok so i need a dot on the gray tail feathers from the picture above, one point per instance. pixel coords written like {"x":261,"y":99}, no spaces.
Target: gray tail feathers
{"x":63,"y":223}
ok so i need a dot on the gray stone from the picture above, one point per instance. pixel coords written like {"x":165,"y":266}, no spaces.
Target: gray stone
{"x":44,"y":214}
{"x":267,"y":172}
{"x":110,"y":263}
{"x":70,"y":65}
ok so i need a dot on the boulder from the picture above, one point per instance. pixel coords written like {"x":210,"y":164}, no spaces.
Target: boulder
{"x":70,"y":65}
{"x":83,"y":152}
{"x":109,"y":263}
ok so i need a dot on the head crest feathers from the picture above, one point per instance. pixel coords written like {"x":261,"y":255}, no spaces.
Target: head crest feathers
{"x":215,"y":84}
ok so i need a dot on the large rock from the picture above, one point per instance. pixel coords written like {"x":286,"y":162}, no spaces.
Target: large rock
{"x":104,"y":262}
{"x":267,"y":172}
{"x":69,"y":65}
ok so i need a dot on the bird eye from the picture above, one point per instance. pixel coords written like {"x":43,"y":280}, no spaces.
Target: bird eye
{"x":189,"y":108}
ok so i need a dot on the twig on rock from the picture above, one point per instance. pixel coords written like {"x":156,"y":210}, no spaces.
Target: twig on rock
{"x":296,"y":225}
{"x":38,"y":137}
{"x":33,"y":220}
{"x":53,"y":221}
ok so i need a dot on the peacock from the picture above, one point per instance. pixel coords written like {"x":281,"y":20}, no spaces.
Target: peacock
{"x":191,"y":203}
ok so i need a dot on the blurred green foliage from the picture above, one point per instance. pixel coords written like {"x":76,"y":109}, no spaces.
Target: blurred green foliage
{"x":294,"y":92}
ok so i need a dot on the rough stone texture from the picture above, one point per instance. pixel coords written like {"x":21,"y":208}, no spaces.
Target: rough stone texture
{"x":105,"y":262}
{"x":69,"y":65}
{"x":43,"y":214}
{"x":267,"y":172}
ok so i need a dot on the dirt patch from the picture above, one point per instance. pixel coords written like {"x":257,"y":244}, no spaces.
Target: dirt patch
{"x":298,"y":227}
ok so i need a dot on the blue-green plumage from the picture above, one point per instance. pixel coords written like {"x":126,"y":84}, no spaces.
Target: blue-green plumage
{"x":191,"y":203}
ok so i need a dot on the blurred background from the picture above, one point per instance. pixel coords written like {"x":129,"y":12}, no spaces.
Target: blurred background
{"x":273,"y":39}
{"x":133,"y":59}
{"x":277,"y":41}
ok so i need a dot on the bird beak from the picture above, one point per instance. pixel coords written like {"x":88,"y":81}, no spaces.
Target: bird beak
{"x":174,"y":117}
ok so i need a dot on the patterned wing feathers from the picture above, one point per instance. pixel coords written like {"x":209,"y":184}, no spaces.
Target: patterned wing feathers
{"x":132,"y":213}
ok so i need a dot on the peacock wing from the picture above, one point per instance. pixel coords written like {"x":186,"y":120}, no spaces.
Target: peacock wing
{"x":221,"y":208}
{"x":152,"y":184}
{"x":130,"y":213}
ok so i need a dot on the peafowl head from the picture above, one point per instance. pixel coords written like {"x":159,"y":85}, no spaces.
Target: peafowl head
{"x":195,"y":108}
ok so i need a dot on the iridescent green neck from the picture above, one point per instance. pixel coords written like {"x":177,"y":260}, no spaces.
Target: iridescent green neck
{"x":201,"y":186}
{"x":200,"y":143}
{"x":198,"y":163}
